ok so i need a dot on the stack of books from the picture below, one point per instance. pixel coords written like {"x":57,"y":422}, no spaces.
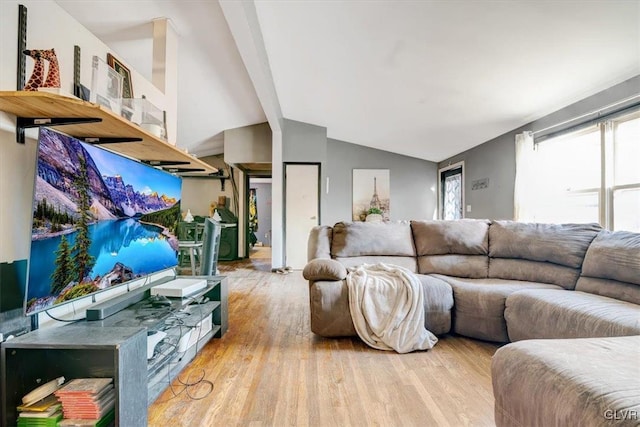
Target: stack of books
{"x":107,"y":421}
{"x":87,"y":402}
{"x":40,"y":407}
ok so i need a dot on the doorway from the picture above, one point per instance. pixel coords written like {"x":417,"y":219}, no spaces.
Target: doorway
{"x":302,"y":210}
{"x":451,"y":192}
{"x":259,"y":218}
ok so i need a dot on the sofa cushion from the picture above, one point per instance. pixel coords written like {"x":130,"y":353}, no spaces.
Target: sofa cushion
{"x":563,"y":244}
{"x":612,"y":266}
{"x":533,"y":271}
{"x":351,"y":239}
{"x":466,"y":236}
{"x":479,"y":305}
{"x":319,"y":243}
{"x":324,"y":269}
{"x":614,"y":256}
{"x":576,"y":382}
{"x":623,"y":291}
{"x":455,"y":248}
{"x":556,"y":244}
{"x":473,"y":266}
{"x":568,"y":314}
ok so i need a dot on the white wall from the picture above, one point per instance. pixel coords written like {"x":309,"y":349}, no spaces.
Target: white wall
{"x":17,"y":172}
{"x":49,"y":26}
{"x":199,"y":193}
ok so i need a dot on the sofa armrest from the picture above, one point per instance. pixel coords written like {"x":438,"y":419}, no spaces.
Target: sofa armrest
{"x":324,"y":269}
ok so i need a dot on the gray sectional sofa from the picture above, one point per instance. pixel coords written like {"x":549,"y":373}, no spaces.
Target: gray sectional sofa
{"x":505,"y":281}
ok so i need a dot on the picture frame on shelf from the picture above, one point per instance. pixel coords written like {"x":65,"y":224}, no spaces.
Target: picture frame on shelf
{"x":106,"y":85}
{"x":82,"y":92}
{"x":123,"y":70}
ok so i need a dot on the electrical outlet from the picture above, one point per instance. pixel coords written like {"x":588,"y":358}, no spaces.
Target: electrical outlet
{"x":468,"y":208}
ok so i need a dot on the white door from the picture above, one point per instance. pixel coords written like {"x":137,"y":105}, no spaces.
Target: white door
{"x":301,"y":211}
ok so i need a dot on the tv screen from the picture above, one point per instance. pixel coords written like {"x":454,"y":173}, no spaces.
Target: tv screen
{"x":99,"y":220}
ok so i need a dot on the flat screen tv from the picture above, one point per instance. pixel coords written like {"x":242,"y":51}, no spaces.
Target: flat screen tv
{"x":99,"y":220}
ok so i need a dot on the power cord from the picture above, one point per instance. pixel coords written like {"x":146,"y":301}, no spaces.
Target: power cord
{"x":148,"y":312}
{"x":177,"y":320}
{"x":63,"y":320}
{"x":188,"y":385}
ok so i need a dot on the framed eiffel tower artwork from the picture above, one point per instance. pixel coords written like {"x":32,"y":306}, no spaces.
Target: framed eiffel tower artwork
{"x":371,"y":195}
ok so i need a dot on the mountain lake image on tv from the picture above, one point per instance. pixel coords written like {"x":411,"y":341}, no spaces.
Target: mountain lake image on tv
{"x":99,"y":220}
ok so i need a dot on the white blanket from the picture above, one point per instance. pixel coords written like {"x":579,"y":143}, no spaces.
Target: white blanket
{"x":387,"y":308}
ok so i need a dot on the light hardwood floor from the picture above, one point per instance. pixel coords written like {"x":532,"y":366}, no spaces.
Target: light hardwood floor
{"x":270,"y":370}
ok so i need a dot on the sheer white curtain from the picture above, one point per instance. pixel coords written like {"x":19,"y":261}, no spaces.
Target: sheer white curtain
{"x":524,"y":197}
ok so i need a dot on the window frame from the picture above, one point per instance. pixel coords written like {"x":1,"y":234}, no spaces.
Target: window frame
{"x":611,"y":126}
{"x":456,"y":165}
{"x":607,"y":128}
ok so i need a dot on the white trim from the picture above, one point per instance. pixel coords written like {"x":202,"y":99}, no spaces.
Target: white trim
{"x":444,"y":169}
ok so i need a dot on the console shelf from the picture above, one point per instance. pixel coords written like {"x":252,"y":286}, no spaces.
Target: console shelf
{"x":78,"y":351}
{"x":96,"y":124}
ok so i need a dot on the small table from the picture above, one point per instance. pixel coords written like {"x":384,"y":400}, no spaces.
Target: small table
{"x":194,"y":249}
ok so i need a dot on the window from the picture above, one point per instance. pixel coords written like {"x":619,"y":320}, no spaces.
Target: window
{"x":590,"y":175}
{"x":451,"y":192}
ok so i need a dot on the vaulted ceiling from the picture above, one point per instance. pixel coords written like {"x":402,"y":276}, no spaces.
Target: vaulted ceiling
{"x":427,"y":79}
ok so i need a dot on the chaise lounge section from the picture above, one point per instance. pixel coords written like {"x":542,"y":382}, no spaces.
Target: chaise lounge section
{"x":568,"y":382}
{"x":604,"y":303}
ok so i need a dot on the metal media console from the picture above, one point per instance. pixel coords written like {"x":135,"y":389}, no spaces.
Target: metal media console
{"x":116,"y":347}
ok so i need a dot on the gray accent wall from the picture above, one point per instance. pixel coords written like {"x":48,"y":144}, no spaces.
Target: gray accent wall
{"x":303,"y":142}
{"x":412,"y":181}
{"x":495,"y":159}
{"x":306,"y":143}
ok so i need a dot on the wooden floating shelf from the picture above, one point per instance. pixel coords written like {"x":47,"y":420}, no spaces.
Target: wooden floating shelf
{"x":149,"y":148}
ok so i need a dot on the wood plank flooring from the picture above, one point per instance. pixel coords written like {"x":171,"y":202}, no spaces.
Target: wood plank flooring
{"x":270,"y":370}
